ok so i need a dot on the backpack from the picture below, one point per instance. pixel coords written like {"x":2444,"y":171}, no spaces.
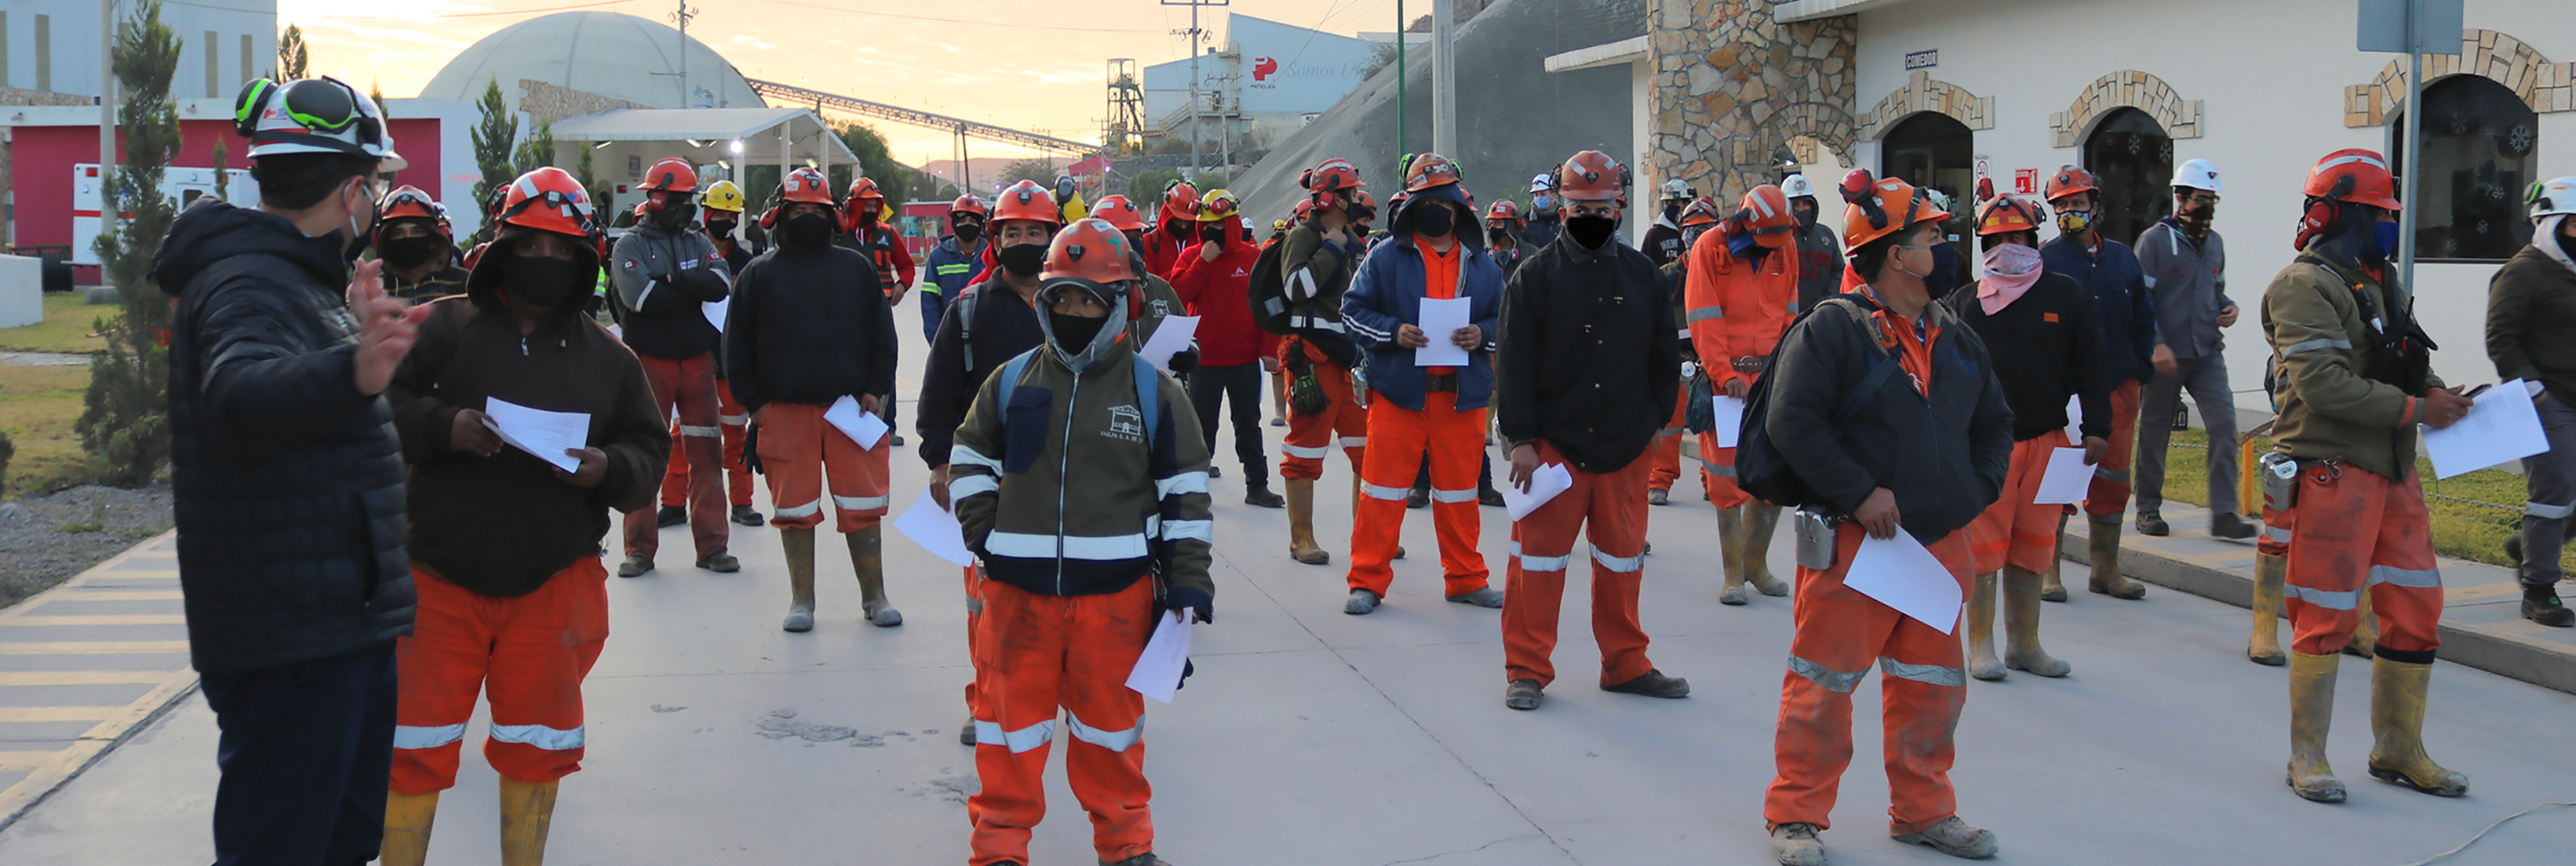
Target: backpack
{"x":1149,"y":392}
{"x":1269,"y":293}
{"x":1760,"y":469}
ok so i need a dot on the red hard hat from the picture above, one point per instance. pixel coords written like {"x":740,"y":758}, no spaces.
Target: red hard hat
{"x":2070,"y":180}
{"x":2371,"y":183}
{"x":1180,"y":199}
{"x":967,"y":204}
{"x":1504,"y":210}
{"x":806,"y":185}
{"x":1117,"y":211}
{"x":1764,"y":212}
{"x":864,"y":188}
{"x":1699,"y":212}
{"x":1334,"y":175}
{"x":1592,"y":176}
{"x":2008,"y":214}
{"x":1091,"y":252}
{"x":1305,"y":208}
{"x":1027,"y":200}
{"x":1879,"y":208}
{"x":1430,"y":170}
{"x":548,"y":199}
{"x":671,"y":174}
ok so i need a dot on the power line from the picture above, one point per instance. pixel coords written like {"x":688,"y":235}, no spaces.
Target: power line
{"x":957,"y":20}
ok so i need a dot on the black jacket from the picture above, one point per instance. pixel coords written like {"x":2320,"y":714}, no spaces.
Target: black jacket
{"x":661,"y":282}
{"x":1004,"y":326}
{"x":808,"y":326}
{"x":2046,"y":349}
{"x":1944,"y":456}
{"x":289,"y":482}
{"x":1589,"y":359}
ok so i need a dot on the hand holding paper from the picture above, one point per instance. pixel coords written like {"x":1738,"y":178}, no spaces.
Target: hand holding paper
{"x":1903,"y":575}
{"x":935,"y":529}
{"x":862,"y":426}
{"x":1545,"y":484}
{"x":1170,"y":338}
{"x":2067,"y":480}
{"x":1440,"y":318}
{"x":1158,"y":671}
{"x":548,"y":435}
{"x":2502,"y":425}
{"x":1730,"y":419}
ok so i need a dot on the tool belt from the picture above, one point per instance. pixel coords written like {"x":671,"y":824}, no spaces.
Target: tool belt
{"x":1750,"y":363}
{"x":1440,"y":382}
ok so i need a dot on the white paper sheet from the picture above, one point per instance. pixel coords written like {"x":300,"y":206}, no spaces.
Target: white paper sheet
{"x":1158,"y":672}
{"x":1902,"y":575}
{"x":862,"y":426}
{"x":2502,"y":425}
{"x":1730,"y":419}
{"x":1550,"y":480}
{"x":2075,"y":419}
{"x":715,"y":311}
{"x":1442,"y":317}
{"x":2067,"y":479}
{"x":934,"y":529}
{"x":1171,"y":337}
{"x":539,"y":432}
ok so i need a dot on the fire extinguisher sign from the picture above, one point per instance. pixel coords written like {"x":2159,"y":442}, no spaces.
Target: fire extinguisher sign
{"x":2025,"y":181}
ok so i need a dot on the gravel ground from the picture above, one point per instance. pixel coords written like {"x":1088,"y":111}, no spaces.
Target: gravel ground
{"x":35,"y":553}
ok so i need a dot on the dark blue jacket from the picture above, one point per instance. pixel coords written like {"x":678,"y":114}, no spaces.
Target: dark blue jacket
{"x":1388,"y":293}
{"x":951,"y":269}
{"x":2120,"y":302}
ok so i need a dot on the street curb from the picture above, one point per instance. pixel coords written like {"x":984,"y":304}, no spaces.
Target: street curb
{"x":102,"y":738}
{"x":2493,"y":648}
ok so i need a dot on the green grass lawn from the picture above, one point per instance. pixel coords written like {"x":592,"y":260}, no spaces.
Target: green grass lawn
{"x":70,"y":326}
{"x":37,"y":408}
{"x":2460,"y":529}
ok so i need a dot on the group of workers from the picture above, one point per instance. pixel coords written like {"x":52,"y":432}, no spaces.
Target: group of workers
{"x":394,"y":549}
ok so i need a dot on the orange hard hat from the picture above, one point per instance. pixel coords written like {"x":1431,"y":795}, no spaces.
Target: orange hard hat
{"x":806,"y":185}
{"x":969,"y":205}
{"x":1879,"y":208}
{"x":548,"y":199}
{"x":1699,"y":212}
{"x":1333,"y":175}
{"x":2370,"y":183}
{"x":1305,"y":208}
{"x":1429,"y":170}
{"x":1764,"y":212}
{"x":1504,"y":210}
{"x":1092,"y":253}
{"x":2008,"y":214}
{"x":864,"y":188}
{"x":1117,"y":211}
{"x":671,"y":174}
{"x":1027,"y":200}
{"x":1592,"y":176}
{"x":409,"y":202}
{"x":2070,"y":180}
{"x":1180,"y":199}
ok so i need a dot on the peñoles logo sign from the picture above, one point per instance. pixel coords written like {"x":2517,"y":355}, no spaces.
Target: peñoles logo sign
{"x":1263,"y":68}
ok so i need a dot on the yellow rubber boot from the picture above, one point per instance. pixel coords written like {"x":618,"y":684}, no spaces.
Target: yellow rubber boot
{"x":2053,"y":587}
{"x":2107,"y":578}
{"x":2312,"y":687}
{"x":1760,"y":518}
{"x":1301,"y":523}
{"x":527,"y":812}
{"x":407,"y":821}
{"x":2021,"y":625}
{"x":2397,"y":692}
{"x":799,"y":547}
{"x":1730,"y":553}
{"x":2365,"y":636}
{"x":867,"y":558}
{"x":2264,"y":648}
{"x":1982,"y":662}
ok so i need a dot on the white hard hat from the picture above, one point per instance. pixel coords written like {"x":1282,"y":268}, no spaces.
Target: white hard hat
{"x":1796,"y":186}
{"x":1541,"y":182}
{"x":1675,"y":188}
{"x":313,"y":115}
{"x":2197,"y":174}
{"x":2552,"y":197}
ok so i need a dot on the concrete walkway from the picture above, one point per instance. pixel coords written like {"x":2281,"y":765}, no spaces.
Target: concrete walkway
{"x":85,"y":662}
{"x":1311,"y":737}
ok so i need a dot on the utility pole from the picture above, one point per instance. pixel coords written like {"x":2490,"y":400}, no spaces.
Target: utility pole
{"x":1444,"y":79}
{"x":1196,"y":34}
{"x":688,"y":99}
{"x":106,"y":118}
{"x":2414,"y":28}
{"x":1400,"y":25}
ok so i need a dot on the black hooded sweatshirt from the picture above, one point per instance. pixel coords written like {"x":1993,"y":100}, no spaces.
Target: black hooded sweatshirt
{"x":808,"y":326}
{"x":289,"y":482}
{"x":502,"y":525}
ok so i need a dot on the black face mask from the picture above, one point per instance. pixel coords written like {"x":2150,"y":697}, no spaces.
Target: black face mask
{"x":722,"y":230}
{"x":1073,"y":334}
{"x":1214,"y":234}
{"x":542,"y":281}
{"x":361,"y":240}
{"x":1180,"y":229}
{"x":807,"y":231}
{"x":1022,"y":260}
{"x":1502,"y":236}
{"x":403,"y":254}
{"x":1591,"y":231}
{"x":1805,"y":212}
{"x":969,"y":233}
{"x":675,"y":216}
{"x":1436,"y":221}
{"x":1672,"y":211}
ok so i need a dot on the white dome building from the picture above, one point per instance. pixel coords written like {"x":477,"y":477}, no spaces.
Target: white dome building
{"x":619,"y":56}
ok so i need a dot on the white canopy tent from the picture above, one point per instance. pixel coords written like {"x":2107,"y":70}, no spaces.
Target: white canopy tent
{"x":627,"y":140}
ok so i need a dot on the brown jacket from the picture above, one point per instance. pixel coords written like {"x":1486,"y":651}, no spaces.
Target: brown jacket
{"x":2329,"y":410}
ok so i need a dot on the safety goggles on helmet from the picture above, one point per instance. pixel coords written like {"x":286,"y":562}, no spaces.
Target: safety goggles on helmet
{"x":1428,"y":170}
{"x":2009,"y":214}
{"x":313,"y":115}
{"x":409,"y":202}
{"x":1218,"y":205}
{"x":548,"y":199}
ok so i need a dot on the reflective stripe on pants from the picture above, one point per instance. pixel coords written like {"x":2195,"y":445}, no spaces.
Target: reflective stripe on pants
{"x":2013,"y":530}
{"x":2109,"y":495}
{"x":799,"y":449}
{"x":527,"y":653}
{"x":732,"y":421}
{"x":1037,"y":655}
{"x":689,"y":384}
{"x":1608,"y":510}
{"x":2361,"y":533}
{"x":1342,"y":424}
{"x":1455,"y":443}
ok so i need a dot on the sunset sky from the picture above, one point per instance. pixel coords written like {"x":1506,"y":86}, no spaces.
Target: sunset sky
{"x":1037,"y":65}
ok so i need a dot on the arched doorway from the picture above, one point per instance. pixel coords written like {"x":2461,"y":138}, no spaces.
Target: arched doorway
{"x":1934,"y":150}
{"x":2481,"y":147}
{"x":2133,"y":158}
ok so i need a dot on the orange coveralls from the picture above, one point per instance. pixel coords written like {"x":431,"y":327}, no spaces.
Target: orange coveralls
{"x":1735,"y":309}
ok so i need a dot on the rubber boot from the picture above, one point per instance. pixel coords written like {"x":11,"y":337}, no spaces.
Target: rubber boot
{"x":2365,"y":634}
{"x":2264,"y":648}
{"x":2397,"y":691}
{"x":2054,"y":588}
{"x":799,"y":545}
{"x":1760,"y":518}
{"x":527,"y":812}
{"x":407,"y":821}
{"x":867,"y":558}
{"x":2107,"y":578}
{"x":1982,"y":662}
{"x":1301,"y":523}
{"x":1730,"y":547}
{"x":2312,"y":687}
{"x":2021,"y":625}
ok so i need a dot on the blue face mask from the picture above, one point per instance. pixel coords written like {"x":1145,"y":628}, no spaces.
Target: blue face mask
{"x":1543,"y":203}
{"x":2386,"y":235}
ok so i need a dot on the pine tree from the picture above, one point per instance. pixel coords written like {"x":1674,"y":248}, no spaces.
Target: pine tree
{"x":493,"y":138}
{"x":292,"y":59}
{"x":123,"y":426}
{"x":585,"y":172}
{"x":536,"y":152}
{"x":223,"y":173}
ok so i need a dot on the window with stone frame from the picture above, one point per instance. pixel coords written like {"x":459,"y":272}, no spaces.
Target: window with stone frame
{"x":2131,"y":158}
{"x":2481,"y":150}
{"x":1935,"y":151}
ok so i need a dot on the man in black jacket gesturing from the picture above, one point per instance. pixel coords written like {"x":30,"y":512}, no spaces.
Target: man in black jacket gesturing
{"x":289,"y":479}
